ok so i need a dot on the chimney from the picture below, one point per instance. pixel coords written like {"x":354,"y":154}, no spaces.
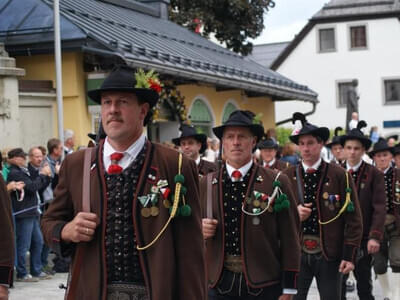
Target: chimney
{"x":159,"y":5}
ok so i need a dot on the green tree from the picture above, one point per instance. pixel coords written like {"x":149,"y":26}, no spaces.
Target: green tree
{"x":232,"y":21}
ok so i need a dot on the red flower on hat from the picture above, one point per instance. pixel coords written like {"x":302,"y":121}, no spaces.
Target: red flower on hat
{"x":155,"y":85}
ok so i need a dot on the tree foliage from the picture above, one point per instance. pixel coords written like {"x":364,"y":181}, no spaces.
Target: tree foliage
{"x":232,"y":21}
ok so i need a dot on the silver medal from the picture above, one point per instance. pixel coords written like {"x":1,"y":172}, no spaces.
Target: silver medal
{"x":256,"y":220}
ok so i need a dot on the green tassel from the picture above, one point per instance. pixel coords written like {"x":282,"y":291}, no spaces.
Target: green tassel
{"x":285,"y":204}
{"x":350,"y":207}
{"x":348,"y":190}
{"x":185,"y":210}
{"x":183,"y":190}
{"x":278,"y":207}
{"x":276,"y":183}
{"x":179,"y":178}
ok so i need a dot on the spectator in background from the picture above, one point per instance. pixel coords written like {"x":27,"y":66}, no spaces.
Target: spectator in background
{"x":396,"y":156}
{"x":392,"y":140}
{"x":26,"y":209}
{"x":43,"y":150}
{"x":5,"y":165}
{"x":289,"y":154}
{"x":373,"y":134}
{"x":354,"y":121}
{"x":7,"y":248}
{"x":69,"y":141}
{"x":211,"y":153}
{"x":55,"y":150}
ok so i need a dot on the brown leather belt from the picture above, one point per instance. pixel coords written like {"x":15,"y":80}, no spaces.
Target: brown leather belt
{"x":124,"y":291}
{"x":233,"y":263}
{"x":311,"y":244}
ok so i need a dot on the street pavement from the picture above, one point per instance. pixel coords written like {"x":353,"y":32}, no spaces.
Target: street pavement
{"x":49,"y":290}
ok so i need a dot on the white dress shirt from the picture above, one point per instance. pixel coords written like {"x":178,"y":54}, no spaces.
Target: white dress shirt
{"x":243,"y":170}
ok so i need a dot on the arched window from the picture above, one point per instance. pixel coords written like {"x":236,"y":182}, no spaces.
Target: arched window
{"x":201,"y":117}
{"x":229,"y":108}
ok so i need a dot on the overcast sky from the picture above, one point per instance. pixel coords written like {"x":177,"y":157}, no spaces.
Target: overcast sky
{"x":286,"y":19}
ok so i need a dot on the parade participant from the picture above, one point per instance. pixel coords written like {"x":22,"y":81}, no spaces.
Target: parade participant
{"x":396,"y":156}
{"x":6,"y":242}
{"x":140,"y":235}
{"x":329,"y":210}
{"x":268,"y":150}
{"x":250,"y":221}
{"x":336,"y":148}
{"x":390,"y":246}
{"x":193,"y":144}
{"x":370,"y":187}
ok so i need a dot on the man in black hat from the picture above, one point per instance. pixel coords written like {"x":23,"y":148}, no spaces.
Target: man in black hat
{"x":390,"y":246}
{"x":369,"y":184}
{"x":250,"y":221}
{"x":138,"y":235}
{"x":193,"y":144}
{"x":336,"y":148}
{"x":396,"y":156}
{"x":329,"y":210}
{"x":268,"y":150}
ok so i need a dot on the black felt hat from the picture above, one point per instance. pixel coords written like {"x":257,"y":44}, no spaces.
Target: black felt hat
{"x":308,"y":129}
{"x":380,"y":146}
{"x":356,"y":134}
{"x":241,"y":118}
{"x":190,"y":131}
{"x":396,"y":149}
{"x":336,"y":138}
{"x":122,"y":79}
{"x":267,"y":144}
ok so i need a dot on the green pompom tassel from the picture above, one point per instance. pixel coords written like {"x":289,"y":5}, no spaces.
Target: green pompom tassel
{"x":183,"y":190}
{"x":185,"y":210}
{"x":282,"y":198}
{"x":278,"y":207}
{"x":179,"y":178}
{"x":350,"y":207}
{"x":285,"y":204}
{"x":276,"y":183}
{"x":348,"y":190}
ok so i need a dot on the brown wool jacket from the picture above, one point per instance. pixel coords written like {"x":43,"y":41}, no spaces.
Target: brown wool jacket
{"x":206,"y":167}
{"x":7,"y":236}
{"x":342,"y":237}
{"x":270,"y":250}
{"x":396,"y":208}
{"x":370,"y":187}
{"x":174,"y":267}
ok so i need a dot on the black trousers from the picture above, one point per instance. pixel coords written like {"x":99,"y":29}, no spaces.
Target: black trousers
{"x":232,"y":286}
{"x":326,"y":273}
{"x":362,"y":273}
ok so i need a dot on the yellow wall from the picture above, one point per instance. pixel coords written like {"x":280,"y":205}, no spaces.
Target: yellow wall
{"x":76,"y":115}
{"x":218,"y":99}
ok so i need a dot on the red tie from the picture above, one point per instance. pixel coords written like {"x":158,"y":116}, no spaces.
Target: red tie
{"x":311,"y":171}
{"x":236,"y":175}
{"x":351,"y":171}
{"x":115,"y":168}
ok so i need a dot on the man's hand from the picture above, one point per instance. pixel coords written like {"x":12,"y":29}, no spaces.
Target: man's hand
{"x":15,"y":185}
{"x":304,"y":211}
{"x":373,"y":246}
{"x":346,"y":266}
{"x":45,"y":170}
{"x":3,"y":292}
{"x":81,"y":228}
{"x":285,"y":297}
{"x":209,"y":227}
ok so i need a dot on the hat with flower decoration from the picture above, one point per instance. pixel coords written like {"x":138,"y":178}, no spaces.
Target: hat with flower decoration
{"x":190,"y":131}
{"x":307,"y":129}
{"x":145,"y":86}
{"x":242,"y":118}
{"x":356,"y":134}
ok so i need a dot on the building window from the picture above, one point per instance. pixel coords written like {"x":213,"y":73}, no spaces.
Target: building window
{"x":229,"y":108}
{"x":344,"y":93}
{"x":200,"y":117}
{"x":326,"y":39}
{"x":358,"y":37}
{"x":392,"y":91}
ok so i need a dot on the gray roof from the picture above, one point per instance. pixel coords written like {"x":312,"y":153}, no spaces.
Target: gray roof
{"x":141,"y":40}
{"x":265,"y":54}
{"x":348,"y":8}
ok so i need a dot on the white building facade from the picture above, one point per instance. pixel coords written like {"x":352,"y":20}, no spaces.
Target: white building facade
{"x":346,"y":41}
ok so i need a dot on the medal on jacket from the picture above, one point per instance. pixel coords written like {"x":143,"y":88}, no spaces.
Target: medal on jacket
{"x":396,"y":199}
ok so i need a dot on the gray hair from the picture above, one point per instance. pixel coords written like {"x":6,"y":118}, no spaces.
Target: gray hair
{"x":68,"y":133}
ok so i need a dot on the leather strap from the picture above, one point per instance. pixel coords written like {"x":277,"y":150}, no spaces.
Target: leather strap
{"x":299,"y":188}
{"x":80,"y":248}
{"x":209,"y":196}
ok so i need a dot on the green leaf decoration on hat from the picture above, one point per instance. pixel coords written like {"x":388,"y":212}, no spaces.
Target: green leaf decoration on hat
{"x":147,"y":80}
{"x":257,"y":118}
